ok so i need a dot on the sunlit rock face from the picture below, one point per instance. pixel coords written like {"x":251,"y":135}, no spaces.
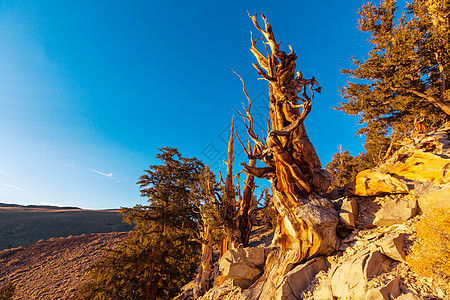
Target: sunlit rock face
{"x":421,"y":166}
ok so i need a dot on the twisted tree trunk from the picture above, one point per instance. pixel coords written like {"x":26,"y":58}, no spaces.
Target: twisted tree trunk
{"x":202,"y":280}
{"x":306,"y":221}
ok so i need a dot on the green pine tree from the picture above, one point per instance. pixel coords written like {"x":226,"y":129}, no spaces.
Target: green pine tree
{"x":345,"y":167}
{"x":406,"y":74}
{"x":161,"y":255}
{"x":7,"y":291}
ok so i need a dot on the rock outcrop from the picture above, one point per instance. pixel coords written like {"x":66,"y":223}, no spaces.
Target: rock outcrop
{"x":421,"y":165}
{"x":350,"y":280}
{"x":376,"y":183}
{"x":238,"y":271}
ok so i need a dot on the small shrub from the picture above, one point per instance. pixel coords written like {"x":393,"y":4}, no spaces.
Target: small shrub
{"x":430,"y":255}
{"x":7,"y":291}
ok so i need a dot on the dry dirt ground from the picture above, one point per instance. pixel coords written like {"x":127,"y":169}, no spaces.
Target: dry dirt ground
{"x":55,"y":268}
{"x":22,"y":226}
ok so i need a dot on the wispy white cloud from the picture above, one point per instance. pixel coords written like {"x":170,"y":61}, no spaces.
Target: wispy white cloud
{"x":69,"y":165}
{"x":12,"y":186}
{"x":110,"y":175}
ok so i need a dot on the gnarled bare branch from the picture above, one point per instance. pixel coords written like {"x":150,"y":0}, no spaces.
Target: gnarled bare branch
{"x":265,"y":172}
{"x":249,"y":118}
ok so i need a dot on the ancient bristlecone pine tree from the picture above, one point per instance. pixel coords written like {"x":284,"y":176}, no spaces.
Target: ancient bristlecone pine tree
{"x":306,"y":221}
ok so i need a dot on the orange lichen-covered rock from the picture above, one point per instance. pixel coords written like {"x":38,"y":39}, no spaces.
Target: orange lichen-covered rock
{"x":422,"y":162}
{"x":423,"y":166}
{"x":375,"y":183}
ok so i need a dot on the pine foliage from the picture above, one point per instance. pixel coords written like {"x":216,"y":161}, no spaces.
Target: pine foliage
{"x":345,"y":167}
{"x":7,"y":291}
{"x":160,"y":256}
{"x":407,"y":72}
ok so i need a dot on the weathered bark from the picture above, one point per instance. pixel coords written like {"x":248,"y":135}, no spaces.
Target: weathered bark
{"x":306,"y":221}
{"x":202,"y":281}
{"x":153,"y":278}
{"x":239,"y":214}
{"x":230,"y":240}
{"x":244,"y":217}
{"x":204,"y":201}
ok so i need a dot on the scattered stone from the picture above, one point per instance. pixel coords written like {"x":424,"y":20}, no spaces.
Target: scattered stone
{"x":343,"y":233}
{"x":396,"y":211}
{"x":323,"y":292}
{"x":345,"y":191}
{"x":242,"y":283}
{"x":389,"y":291}
{"x":393,"y":247}
{"x":374,"y":235}
{"x":349,"y":238}
{"x":348,"y":212}
{"x":226,"y":290}
{"x":408,"y":296}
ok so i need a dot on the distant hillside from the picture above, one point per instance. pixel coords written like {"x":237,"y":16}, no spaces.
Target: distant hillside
{"x":24,"y":225}
{"x":38,"y":206}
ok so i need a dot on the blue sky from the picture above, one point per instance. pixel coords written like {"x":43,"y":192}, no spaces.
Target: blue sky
{"x":89,"y":90}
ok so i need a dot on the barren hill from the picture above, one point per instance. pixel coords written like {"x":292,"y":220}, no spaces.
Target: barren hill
{"x":24,"y":225}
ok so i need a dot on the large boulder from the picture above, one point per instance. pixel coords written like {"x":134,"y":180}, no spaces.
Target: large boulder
{"x":423,"y":166}
{"x":242,"y":263}
{"x":299,"y":278}
{"x":349,"y":280}
{"x":396,"y":211}
{"x":376,"y":183}
{"x":393,"y":247}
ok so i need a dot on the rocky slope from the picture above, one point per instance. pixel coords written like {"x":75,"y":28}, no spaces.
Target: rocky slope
{"x":376,"y":229}
{"x":55,"y":268}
